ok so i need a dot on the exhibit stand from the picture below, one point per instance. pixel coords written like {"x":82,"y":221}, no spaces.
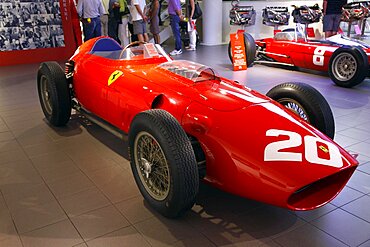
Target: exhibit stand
{"x":259,"y":30}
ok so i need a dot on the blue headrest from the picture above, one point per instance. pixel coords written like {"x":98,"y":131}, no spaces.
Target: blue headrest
{"x":106,"y":44}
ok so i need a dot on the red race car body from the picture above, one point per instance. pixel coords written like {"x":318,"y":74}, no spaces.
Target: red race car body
{"x":252,"y":146}
{"x":346,"y":60}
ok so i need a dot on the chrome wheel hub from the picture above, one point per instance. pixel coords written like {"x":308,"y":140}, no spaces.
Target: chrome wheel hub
{"x":344,"y":67}
{"x":295,"y":107}
{"x":45,"y":95}
{"x":147,"y":167}
{"x":151,"y":166}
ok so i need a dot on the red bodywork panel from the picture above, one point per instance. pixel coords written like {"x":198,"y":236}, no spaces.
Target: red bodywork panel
{"x":313,"y":55}
{"x":254,"y":147}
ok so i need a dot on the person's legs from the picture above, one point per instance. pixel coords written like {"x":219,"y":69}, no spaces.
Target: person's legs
{"x":88,"y":29}
{"x":143,"y":28}
{"x":104,"y":25}
{"x":157,"y":38}
{"x":328,"y":25}
{"x":160,"y":23}
{"x":146,"y":37}
{"x":138,"y":29}
{"x":140,"y":37}
{"x":336,"y":24}
{"x":112,"y":28}
{"x":154,"y":29}
{"x":175,"y":26}
{"x":97,"y":27}
{"x":122,"y":32}
{"x":192,"y":35}
{"x":131,"y":30}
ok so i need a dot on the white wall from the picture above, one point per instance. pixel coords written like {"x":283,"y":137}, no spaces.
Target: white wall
{"x":259,"y":30}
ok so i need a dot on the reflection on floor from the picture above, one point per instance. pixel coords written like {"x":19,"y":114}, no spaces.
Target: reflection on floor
{"x":73,"y":186}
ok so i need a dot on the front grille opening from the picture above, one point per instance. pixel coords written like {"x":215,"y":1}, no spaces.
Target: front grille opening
{"x":320,"y":192}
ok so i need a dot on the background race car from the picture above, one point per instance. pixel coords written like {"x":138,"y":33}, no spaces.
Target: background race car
{"x":346,"y":60}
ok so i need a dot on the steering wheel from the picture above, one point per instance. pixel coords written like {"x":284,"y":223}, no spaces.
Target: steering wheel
{"x":130,"y":45}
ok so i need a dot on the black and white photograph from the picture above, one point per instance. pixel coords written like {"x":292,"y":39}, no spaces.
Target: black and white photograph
{"x":26,"y":24}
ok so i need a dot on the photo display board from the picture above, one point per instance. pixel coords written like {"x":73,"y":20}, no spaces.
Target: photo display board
{"x":37,"y":30}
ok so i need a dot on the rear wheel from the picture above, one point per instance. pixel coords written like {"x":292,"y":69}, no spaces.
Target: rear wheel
{"x":54,"y":93}
{"x":250,"y":49}
{"x":163,"y":162}
{"x":307,"y":103}
{"x":348,"y":66}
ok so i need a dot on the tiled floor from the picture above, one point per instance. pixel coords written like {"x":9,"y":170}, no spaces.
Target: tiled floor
{"x":73,"y":186}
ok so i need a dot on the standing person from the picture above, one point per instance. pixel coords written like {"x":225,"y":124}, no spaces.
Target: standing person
{"x":332,"y":10}
{"x":104,"y":18}
{"x":174,"y":10}
{"x":154,"y":20}
{"x":159,"y":12}
{"x":191,"y":27}
{"x":139,"y":19}
{"x":114,"y":19}
{"x":133,"y":37}
{"x":90,"y":11}
{"x":122,"y":28}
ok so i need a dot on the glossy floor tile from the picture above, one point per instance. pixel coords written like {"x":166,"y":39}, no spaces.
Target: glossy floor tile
{"x":73,"y":186}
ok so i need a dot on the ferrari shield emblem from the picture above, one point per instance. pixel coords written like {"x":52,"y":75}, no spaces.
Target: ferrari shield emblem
{"x":114,"y":76}
{"x":324,"y":149}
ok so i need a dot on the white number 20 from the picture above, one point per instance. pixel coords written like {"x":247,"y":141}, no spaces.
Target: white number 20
{"x":273,"y":150}
{"x":318,"y":57}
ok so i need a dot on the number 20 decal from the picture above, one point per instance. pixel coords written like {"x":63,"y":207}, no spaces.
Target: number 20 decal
{"x":318,"y":57}
{"x":273,"y":150}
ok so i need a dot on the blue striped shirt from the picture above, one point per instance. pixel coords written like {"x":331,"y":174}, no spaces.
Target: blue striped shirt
{"x":90,"y":8}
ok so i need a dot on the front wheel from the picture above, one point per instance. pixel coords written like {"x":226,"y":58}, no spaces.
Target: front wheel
{"x":54,"y":93}
{"x":307,"y":103}
{"x":163,"y":162}
{"x":348,"y":66}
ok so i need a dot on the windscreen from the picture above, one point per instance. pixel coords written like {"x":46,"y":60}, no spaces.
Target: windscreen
{"x":190,"y":70}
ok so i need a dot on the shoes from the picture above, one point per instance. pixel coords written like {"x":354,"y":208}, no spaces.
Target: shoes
{"x":176,"y":52}
{"x":190,"y":48}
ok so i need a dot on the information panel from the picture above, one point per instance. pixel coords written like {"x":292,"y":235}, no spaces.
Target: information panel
{"x":37,"y":30}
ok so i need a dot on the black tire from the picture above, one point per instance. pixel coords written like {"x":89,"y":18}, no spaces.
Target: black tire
{"x":177,"y":168}
{"x":250,"y":49}
{"x":306,"y":102}
{"x":54,"y":93}
{"x":351,"y":57}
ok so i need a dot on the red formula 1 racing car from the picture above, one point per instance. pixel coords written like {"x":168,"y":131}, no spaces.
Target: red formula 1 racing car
{"x":185,"y":123}
{"x":346,"y":60}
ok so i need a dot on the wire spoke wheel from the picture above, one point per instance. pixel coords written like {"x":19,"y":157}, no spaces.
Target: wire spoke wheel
{"x":295,"y":107}
{"x":306,"y":102}
{"x":54,"y":93}
{"x":45,"y":94}
{"x":152,"y":166}
{"x":163,"y":162}
{"x":344,"y":66}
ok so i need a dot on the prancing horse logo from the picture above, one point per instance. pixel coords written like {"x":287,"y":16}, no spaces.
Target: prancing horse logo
{"x":114,"y":76}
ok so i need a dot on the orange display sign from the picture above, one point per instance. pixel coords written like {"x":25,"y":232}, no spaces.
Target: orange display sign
{"x":238,"y":51}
